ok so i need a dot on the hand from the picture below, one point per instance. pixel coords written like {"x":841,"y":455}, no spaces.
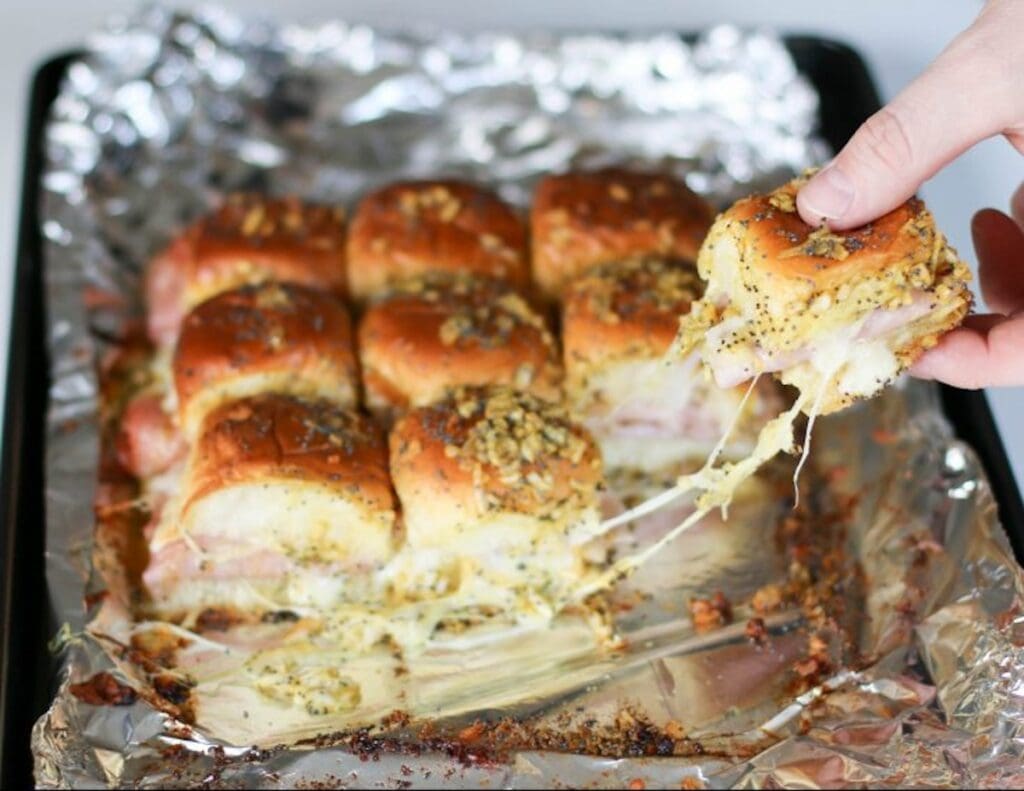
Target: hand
{"x":974,"y":90}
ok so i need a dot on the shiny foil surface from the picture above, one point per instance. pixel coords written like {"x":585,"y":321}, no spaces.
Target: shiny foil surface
{"x":166,"y":112}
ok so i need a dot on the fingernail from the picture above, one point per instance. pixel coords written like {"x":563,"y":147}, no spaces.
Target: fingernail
{"x":828,"y":195}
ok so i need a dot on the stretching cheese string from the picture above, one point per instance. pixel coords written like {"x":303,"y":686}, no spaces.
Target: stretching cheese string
{"x":657,"y":502}
{"x":718,"y":485}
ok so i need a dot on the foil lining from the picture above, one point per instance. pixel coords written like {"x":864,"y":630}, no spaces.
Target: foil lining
{"x":166,"y":111}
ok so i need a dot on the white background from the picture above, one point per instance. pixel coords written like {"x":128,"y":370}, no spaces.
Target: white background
{"x":897,"y":39}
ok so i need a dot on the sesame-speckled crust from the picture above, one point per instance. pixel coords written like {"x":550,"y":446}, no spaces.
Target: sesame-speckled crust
{"x":487,"y":450}
{"x":429,"y":336}
{"x":294,"y":339}
{"x":275,"y":438}
{"x":625,"y":309}
{"x":416,"y":228}
{"x":583,"y":219}
{"x":781,"y":243}
{"x":249,"y":239}
{"x":791,"y":285}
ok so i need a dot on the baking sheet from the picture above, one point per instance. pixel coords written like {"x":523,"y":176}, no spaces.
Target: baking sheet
{"x":185,"y":107}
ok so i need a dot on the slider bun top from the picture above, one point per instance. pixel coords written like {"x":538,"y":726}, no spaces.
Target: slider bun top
{"x":272,"y":337}
{"x":627,"y":309}
{"x":249,"y":239}
{"x":421,"y":227}
{"x":486,"y":451}
{"x":582,"y":219}
{"x":273,"y":438}
{"x":785,"y":257}
{"x":431,"y":335}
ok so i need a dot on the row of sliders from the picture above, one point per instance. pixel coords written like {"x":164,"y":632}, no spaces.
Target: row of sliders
{"x":448,"y":444}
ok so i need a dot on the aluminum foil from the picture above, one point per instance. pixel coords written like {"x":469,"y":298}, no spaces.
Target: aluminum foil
{"x":166,"y":111}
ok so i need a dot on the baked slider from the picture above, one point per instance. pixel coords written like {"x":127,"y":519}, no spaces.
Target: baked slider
{"x":431,"y":335}
{"x":583,"y":219}
{"x":414,"y":228}
{"x":268,"y":338}
{"x":499,"y":490}
{"x":283,"y":503}
{"x":249,"y":239}
{"x":649,"y":412}
{"x":838,"y":315}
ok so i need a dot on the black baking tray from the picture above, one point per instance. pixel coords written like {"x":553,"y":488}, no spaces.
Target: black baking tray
{"x":848,"y":96}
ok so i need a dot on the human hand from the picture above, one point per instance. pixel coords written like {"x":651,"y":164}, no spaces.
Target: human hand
{"x":974,"y":90}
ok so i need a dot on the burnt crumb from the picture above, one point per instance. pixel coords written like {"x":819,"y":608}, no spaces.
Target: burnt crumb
{"x":172,"y":689}
{"x":104,"y":690}
{"x":216,"y":619}
{"x":708,"y":614}
{"x":756,"y":631}
{"x":279,"y":616}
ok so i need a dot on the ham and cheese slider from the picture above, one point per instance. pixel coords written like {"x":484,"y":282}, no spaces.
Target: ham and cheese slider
{"x":582,"y":219}
{"x":414,"y":228}
{"x":499,"y":490}
{"x":269,"y":338}
{"x":838,"y":315}
{"x":649,"y":412}
{"x":249,"y":239}
{"x":284,"y":503}
{"x":431,"y":335}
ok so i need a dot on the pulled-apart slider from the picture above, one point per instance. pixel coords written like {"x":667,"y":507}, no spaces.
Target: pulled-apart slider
{"x":250,"y":239}
{"x":838,"y":315}
{"x":583,"y":219}
{"x":283,"y":503}
{"x":416,"y":228}
{"x":432,"y":335}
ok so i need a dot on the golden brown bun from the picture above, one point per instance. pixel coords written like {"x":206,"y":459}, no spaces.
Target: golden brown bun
{"x":279,"y":437}
{"x":280,"y":338}
{"x":625,"y":309}
{"x":415,"y":228}
{"x":484,"y":451}
{"x":580,"y":220}
{"x":430,"y":336}
{"x":250,"y":239}
{"x":782,"y":247}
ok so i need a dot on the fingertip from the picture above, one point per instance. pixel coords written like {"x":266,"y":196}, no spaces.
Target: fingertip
{"x":954,"y":361}
{"x":826,"y":198}
{"x":1017,"y":205}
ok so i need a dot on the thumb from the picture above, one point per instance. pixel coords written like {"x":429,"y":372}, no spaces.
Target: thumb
{"x":966,"y":95}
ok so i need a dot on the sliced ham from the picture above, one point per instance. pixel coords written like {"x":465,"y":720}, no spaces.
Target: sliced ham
{"x":740,"y":364}
{"x":148,"y":442}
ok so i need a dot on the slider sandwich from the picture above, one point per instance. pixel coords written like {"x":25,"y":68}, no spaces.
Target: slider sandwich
{"x":430,"y":335}
{"x":837,"y":315}
{"x":499,"y":491}
{"x":415,"y":228}
{"x":650,"y":412}
{"x":249,"y":239}
{"x":268,"y":338}
{"x":283,"y":503}
{"x":584,"y":219}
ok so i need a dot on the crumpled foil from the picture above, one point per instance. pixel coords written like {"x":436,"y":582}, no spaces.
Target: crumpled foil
{"x":167,"y":111}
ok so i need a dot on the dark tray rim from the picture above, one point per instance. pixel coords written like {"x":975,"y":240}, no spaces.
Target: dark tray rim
{"x":25,"y":667}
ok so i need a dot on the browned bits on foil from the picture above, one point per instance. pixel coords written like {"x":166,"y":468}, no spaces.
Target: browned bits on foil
{"x":708,"y":614}
{"x":756,"y":631}
{"x":104,"y":690}
{"x":172,"y":688}
{"x":217,"y":619}
{"x":767,"y":599}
